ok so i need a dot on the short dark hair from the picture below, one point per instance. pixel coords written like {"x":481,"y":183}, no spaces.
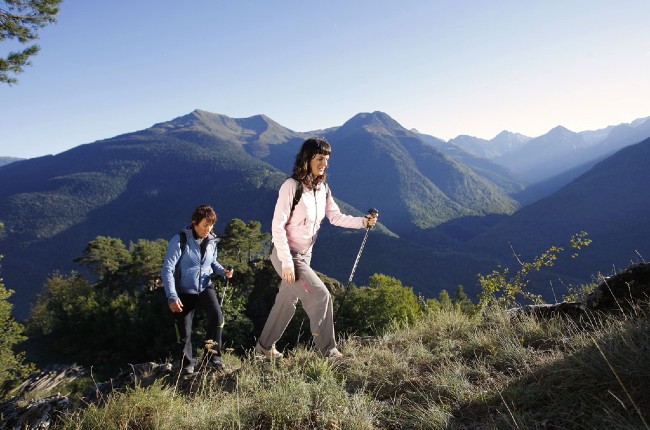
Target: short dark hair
{"x":309,"y":149}
{"x":204,"y":211}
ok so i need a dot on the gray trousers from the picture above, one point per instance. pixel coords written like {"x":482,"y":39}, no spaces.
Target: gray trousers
{"x":316,"y":301}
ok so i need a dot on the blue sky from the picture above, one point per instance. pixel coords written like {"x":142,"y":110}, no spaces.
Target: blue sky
{"x":444,"y":67}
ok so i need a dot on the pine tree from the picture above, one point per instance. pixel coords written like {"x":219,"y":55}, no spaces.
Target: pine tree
{"x":12,"y":365}
{"x":243,"y":240}
{"x":444,"y":300}
{"x":21,"y":20}
{"x":104,"y":256}
{"x":463,"y":302}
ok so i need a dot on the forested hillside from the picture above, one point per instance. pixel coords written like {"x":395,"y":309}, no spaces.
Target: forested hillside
{"x":441,"y":222}
{"x":143,"y":185}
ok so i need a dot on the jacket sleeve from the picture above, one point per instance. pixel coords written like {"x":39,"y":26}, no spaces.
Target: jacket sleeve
{"x":280,"y":218}
{"x":216,"y":266}
{"x":334,"y":215}
{"x":172,"y":256}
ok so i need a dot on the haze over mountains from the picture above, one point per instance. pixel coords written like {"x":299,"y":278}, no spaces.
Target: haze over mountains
{"x":7,"y":160}
{"x":610,"y":202}
{"x":543,"y":157}
{"x":447,"y":210}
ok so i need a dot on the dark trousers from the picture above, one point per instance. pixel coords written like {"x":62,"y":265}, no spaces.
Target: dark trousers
{"x":207,"y":300}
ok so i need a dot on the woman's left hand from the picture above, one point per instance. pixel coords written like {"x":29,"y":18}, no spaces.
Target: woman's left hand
{"x":370,"y":220}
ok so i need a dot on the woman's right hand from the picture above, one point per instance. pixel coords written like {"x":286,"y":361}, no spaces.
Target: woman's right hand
{"x":288,"y":276}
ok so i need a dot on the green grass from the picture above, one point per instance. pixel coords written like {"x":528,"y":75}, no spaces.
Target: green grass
{"x":447,"y":371}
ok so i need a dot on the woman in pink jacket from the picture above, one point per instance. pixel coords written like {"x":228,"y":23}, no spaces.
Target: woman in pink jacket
{"x":294,"y":230}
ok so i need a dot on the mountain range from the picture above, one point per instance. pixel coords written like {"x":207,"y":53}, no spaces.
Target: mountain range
{"x":7,"y":160}
{"x":609,"y":202}
{"x":556,"y":152}
{"x":446,"y":212}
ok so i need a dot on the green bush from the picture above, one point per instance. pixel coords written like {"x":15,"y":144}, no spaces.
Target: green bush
{"x":373,"y":309}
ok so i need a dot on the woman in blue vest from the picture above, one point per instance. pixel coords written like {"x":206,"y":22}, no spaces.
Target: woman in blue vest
{"x":186,"y":275}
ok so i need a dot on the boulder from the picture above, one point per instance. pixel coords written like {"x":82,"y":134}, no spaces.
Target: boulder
{"x":573,"y":310}
{"x":623,"y":290}
{"x":50,"y":379}
{"x":33,"y":414}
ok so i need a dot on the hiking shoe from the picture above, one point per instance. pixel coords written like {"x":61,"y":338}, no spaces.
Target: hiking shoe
{"x":216,"y":362}
{"x":268,"y":353}
{"x":189,"y":369}
{"x":333,"y":354}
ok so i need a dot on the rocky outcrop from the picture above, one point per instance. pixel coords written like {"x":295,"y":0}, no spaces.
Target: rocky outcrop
{"x":50,"y":379}
{"x":623,"y":290}
{"x":17,"y":413}
{"x":40,"y":413}
{"x":618,"y":293}
{"x":573,"y":310}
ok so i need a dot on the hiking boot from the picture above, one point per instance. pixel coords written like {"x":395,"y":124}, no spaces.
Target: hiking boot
{"x":333,"y":354}
{"x":216,"y":363}
{"x":189,"y":369}
{"x":268,"y":353}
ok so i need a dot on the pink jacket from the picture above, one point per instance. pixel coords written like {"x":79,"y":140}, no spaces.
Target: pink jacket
{"x":297,"y":231}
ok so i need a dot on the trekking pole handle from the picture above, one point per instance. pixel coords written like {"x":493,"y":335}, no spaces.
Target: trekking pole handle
{"x":225,"y":287}
{"x":373,"y":214}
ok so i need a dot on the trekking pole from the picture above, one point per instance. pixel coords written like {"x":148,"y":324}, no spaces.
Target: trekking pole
{"x":225,"y":287}
{"x":372,"y":212}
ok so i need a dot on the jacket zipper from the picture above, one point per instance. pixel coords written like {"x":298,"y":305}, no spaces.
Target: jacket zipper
{"x":313,"y":228}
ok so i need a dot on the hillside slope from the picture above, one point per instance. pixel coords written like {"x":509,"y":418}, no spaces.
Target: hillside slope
{"x":610,"y":202}
{"x":140,"y":185}
{"x":378,"y":163}
{"x":145,"y":184}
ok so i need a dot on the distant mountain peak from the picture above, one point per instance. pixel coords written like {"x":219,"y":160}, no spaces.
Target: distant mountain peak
{"x":468,"y":137}
{"x":198,"y":119}
{"x":203,"y":119}
{"x":257,"y":128}
{"x":259,"y":123}
{"x":507,"y":141}
{"x":375,"y":121}
{"x":559,"y":130}
{"x":505,"y":134}
{"x":639,"y":121}
{"x":8,"y":160}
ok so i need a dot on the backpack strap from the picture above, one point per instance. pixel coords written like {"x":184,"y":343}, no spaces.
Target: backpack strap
{"x":183,"y":241}
{"x":296,"y":196}
{"x":183,"y":245}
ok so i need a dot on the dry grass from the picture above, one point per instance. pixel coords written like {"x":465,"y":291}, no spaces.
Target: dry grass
{"x":447,"y":371}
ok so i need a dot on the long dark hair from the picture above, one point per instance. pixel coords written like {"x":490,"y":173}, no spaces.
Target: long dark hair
{"x":310,"y":148}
